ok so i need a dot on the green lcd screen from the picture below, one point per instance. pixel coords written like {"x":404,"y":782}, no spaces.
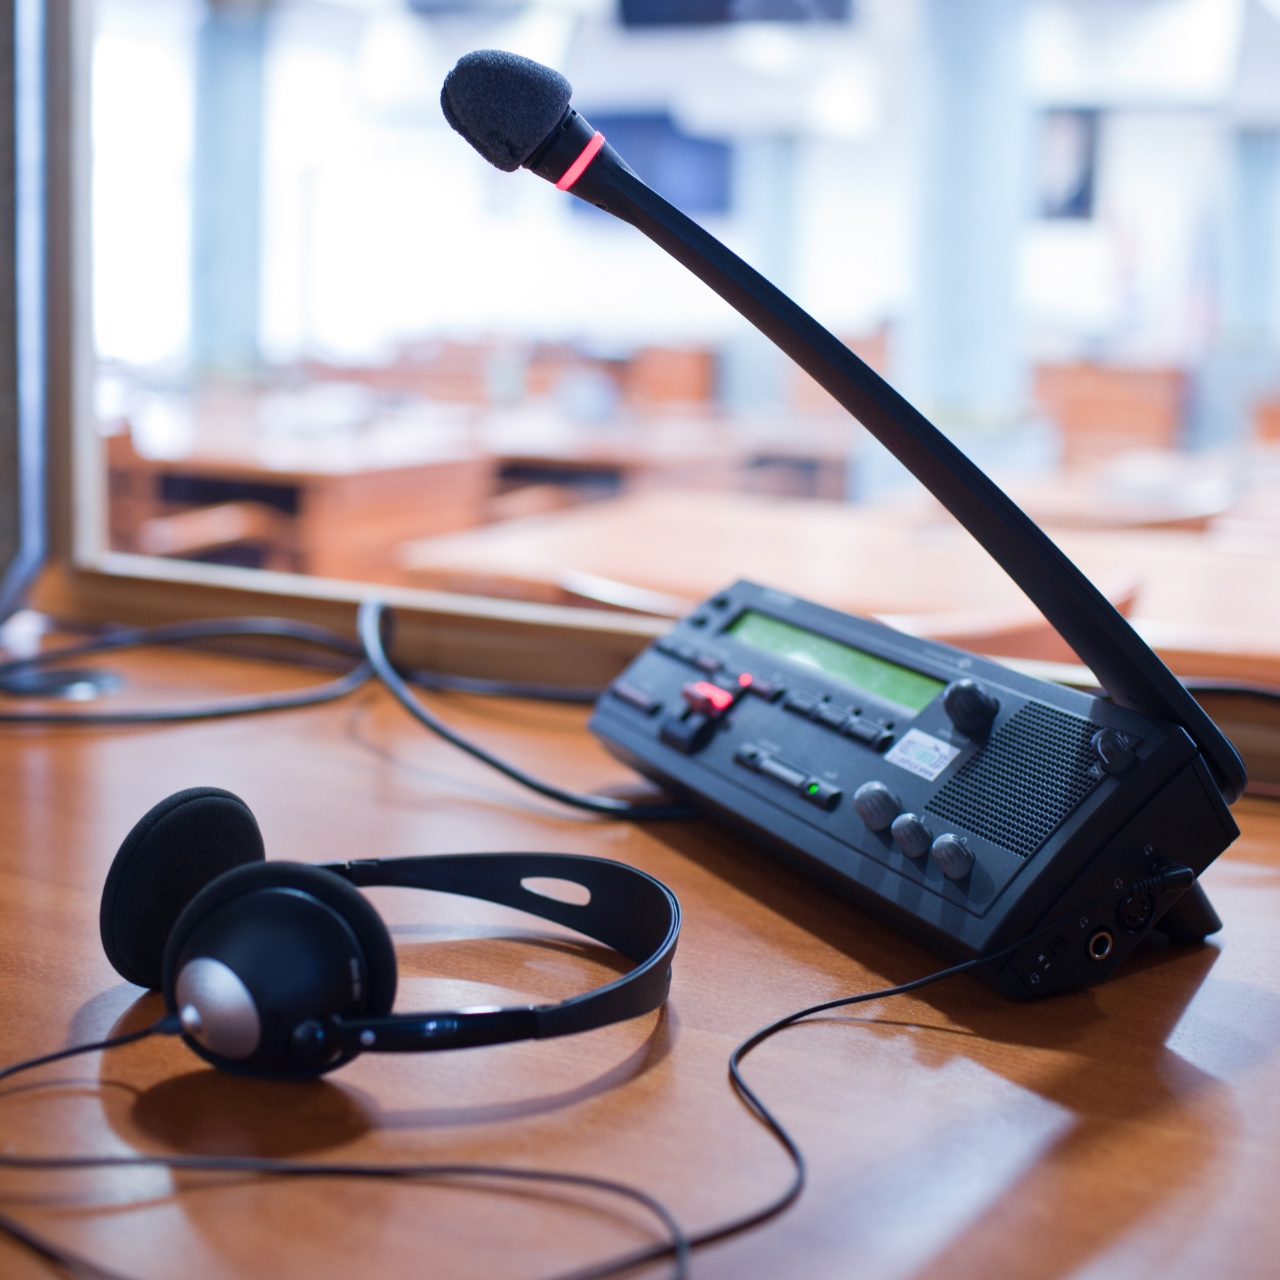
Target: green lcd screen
{"x":841,"y":661}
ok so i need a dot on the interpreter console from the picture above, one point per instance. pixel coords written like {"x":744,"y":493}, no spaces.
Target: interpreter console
{"x":950,"y":795}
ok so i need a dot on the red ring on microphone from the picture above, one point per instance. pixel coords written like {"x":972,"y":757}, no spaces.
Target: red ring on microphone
{"x":578,"y":167}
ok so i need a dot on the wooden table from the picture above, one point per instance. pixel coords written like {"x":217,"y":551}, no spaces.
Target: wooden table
{"x":1215,"y":594}
{"x":331,"y":506}
{"x":1132,"y":1130}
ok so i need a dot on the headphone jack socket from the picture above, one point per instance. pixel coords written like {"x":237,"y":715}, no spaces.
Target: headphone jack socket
{"x":1101,"y":943}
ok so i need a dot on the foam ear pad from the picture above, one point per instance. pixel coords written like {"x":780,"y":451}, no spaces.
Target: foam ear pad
{"x":329,"y":888}
{"x":174,"y":851}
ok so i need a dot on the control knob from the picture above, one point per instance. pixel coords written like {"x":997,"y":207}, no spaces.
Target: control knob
{"x":1114,"y":753}
{"x":970,"y":707}
{"x":911,"y":835}
{"x":876,"y":805}
{"x":952,"y":854}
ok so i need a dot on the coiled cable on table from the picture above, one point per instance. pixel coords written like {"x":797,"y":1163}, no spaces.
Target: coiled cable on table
{"x":368,"y":656}
{"x":177,"y":633}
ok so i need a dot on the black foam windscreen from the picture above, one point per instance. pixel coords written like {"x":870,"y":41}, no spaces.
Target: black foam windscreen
{"x":503,"y":104}
{"x":179,"y":846}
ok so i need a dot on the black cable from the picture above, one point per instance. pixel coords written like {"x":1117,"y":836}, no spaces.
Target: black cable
{"x":1170,"y":878}
{"x":677,"y":1246}
{"x":167,"y":1026}
{"x":185,"y":633}
{"x":369,"y":624}
{"x":1224,"y":687}
{"x":442,"y":682}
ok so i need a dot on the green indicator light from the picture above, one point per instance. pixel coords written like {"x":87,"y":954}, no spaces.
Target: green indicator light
{"x":813,"y":788}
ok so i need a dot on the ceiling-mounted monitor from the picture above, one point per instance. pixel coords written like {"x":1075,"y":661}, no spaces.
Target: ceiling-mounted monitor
{"x":693,"y":13}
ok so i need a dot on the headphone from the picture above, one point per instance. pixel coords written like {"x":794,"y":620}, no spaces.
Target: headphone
{"x":284,"y":969}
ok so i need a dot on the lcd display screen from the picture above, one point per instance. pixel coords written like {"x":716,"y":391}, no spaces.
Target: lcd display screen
{"x":842,"y":662}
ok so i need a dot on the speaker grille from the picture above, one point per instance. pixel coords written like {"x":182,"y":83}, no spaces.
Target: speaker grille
{"x":1035,"y":770}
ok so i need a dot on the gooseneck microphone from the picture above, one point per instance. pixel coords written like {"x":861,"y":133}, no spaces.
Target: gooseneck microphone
{"x":516,"y":113}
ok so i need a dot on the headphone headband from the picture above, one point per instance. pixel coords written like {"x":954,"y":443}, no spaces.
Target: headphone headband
{"x":286,"y":969}
{"x":646,"y":932}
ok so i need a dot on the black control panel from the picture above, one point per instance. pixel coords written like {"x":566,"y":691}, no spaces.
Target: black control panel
{"x":961,"y":801}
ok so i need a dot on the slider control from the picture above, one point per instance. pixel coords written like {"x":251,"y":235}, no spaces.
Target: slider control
{"x":705,"y":703}
{"x":707,"y":699}
{"x":817,"y":791}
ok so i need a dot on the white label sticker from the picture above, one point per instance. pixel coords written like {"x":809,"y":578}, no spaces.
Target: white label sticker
{"x":922,"y":754}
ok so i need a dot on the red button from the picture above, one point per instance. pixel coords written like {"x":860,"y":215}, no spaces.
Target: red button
{"x":707,"y":699}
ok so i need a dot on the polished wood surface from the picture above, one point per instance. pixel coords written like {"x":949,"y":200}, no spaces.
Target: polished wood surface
{"x":1130,"y":1130}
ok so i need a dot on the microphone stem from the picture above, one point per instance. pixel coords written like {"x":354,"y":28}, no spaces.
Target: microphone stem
{"x":1125,"y":666}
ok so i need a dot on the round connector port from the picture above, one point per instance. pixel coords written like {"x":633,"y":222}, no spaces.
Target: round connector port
{"x":1134,"y":912}
{"x":1101,"y":944}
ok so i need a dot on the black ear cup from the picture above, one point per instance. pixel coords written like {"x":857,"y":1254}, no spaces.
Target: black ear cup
{"x":264,"y":958}
{"x":176,"y":849}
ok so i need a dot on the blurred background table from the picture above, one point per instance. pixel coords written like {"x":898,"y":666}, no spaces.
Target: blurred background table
{"x":1215,"y":593}
{"x":1125,"y":1131}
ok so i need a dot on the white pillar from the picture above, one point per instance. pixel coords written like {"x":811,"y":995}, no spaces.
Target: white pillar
{"x":960,"y":358}
{"x":754,"y":374}
{"x":227,"y":187}
{"x":1244,"y":365}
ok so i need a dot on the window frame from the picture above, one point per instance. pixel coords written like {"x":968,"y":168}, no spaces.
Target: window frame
{"x":469,"y":635}
{"x":23,"y":428}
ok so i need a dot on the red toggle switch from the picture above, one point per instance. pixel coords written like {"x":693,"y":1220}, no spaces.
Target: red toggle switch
{"x":706,"y":698}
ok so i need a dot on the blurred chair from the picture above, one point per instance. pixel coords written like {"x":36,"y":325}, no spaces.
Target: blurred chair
{"x":660,"y":376}
{"x":1266,"y":418}
{"x":338,"y":521}
{"x":1103,"y":410}
{"x":248,"y":533}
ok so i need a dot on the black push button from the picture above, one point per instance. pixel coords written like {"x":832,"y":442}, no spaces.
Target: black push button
{"x":868,"y":731}
{"x":769,"y":690}
{"x":801,"y":703}
{"x":686,"y":652}
{"x":832,"y":716}
{"x":687,"y":733}
{"x":634,"y":697}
